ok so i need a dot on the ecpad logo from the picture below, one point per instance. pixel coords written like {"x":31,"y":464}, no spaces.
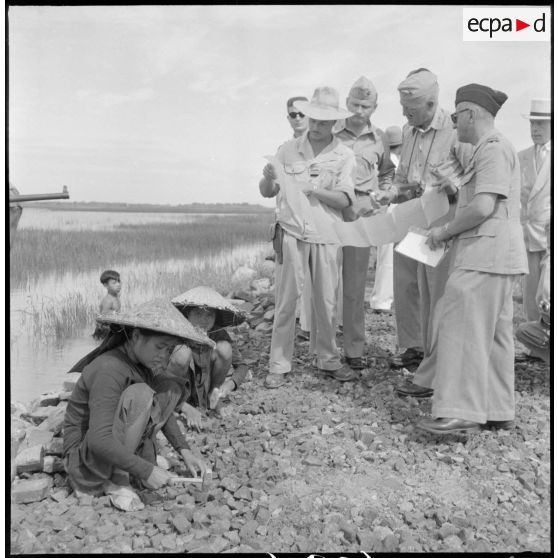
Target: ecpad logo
{"x":506,"y":24}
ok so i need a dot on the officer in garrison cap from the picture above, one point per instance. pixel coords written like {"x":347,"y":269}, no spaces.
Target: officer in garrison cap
{"x":474,"y":353}
{"x":429,"y":144}
{"x":535,"y":163}
{"x":374,"y":172}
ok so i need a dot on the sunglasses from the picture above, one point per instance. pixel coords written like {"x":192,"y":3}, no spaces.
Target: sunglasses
{"x":454,"y":115}
{"x":293,"y":115}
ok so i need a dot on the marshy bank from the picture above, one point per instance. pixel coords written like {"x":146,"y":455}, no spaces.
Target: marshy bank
{"x":57,"y":257}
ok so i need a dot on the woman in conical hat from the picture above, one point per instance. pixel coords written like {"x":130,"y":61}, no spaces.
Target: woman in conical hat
{"x":119,"y":404}
{"x":205,"y":370}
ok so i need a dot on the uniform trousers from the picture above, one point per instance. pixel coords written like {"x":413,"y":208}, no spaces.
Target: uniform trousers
{"x":531,"y":284}
{"x":355,"y":268}
{"x":305,"y":302}
{"x":417,"y":288}
{"x":474,"y":377}
{"x":323,"y":261}
{"x":382,"y":294}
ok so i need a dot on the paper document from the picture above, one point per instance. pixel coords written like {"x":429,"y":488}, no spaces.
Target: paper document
{"x":414,"y":246}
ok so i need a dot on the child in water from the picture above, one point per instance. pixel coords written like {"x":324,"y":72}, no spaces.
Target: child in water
{"x":111,"y":301}
{"x":205,"y":369}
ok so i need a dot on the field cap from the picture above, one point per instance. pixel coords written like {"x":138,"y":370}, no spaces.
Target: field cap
{"x":394,"y":136}
{"x":482,"y":95}
{"x":206,"y":297}
{"x":363,"y":90}
{"x":293,"y":99}
{"x":540,"y":110}
{"x":157,"y":315}
{"x":418,"y":85}
{"x":323,"y":106}
{"x":109,"y":274}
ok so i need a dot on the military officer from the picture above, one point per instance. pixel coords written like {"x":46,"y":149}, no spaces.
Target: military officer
{"x":474,"y":376}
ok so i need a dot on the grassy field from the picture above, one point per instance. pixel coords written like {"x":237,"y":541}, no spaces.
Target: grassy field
{"x":59,"y":269}
{"x":36,"y":252}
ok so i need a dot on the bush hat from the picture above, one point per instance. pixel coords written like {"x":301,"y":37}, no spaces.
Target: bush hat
{"x":323,"y":106}
{"x":540,"y":110}
{"x":157,"y":315}
{"x":206,"y":297}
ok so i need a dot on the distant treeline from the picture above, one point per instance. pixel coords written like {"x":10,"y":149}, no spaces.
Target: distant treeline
{"x":153,"y":208}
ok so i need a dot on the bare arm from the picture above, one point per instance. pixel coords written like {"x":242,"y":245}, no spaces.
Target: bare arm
{"x":337,"y":200}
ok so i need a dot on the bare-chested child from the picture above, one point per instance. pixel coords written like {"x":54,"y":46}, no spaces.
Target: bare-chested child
{"x":111,"y":301}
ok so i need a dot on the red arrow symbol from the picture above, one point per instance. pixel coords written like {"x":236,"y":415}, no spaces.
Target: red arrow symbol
{"x":519,"y":25}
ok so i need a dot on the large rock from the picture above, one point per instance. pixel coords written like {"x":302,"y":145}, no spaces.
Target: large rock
{"x":30,"y":460}
{"x":56,"y":419}
{"x":36,"y":437}
{"x":38,"y":415}
{"x":53,"y":464}
{"x":242,"y":277}
{"x":26,"y":491}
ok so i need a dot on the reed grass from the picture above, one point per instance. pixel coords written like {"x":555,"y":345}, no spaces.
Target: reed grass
{"x":35,"y":252}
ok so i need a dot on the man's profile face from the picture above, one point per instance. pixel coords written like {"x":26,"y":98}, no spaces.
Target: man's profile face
{"x":418,"y":114}
{"x":320,"y":130}
{"x":297,"y":120}
{"x":362,"y":110}
{"x":540,"y":131}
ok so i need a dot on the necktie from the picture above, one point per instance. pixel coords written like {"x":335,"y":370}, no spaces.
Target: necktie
{"x":541,"y":155}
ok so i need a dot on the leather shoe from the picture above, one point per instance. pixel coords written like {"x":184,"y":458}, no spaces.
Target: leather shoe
{"x":413,"y":390}
{"x":500,"y":424}
{"x":356,"y":363}
{"x":343,"y":374}
{"x":275,"y":380}
{"x":526,"y":357}
{"x":447,"y":425}
{"x":407,"y":358}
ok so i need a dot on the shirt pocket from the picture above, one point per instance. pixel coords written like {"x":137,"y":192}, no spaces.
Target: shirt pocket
{"x":295,"y":169}
{"x":478,"y":246}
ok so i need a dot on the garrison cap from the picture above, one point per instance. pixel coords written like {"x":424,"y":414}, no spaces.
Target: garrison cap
{"x":417,"y":86}
{"x":363,"y":90}
{"x":394,"y":135}
{"x":482,"y":95}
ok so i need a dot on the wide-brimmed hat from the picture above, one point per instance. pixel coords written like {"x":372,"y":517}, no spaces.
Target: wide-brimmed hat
{"x":157,"y":315}
{"x":394,"y":136}
{"x":323,"y":106}
{"x":540,"y":110}
{"x":206,"y":297}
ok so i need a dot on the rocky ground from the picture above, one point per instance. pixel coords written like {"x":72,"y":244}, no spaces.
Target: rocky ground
{"x":319,"y":466}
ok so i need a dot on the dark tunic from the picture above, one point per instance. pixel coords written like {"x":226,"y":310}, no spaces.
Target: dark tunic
{"x":90,"y":449}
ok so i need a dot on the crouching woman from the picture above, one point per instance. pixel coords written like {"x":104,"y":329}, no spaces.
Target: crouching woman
{"x":118,"y":405}
{"x":206,"y":370}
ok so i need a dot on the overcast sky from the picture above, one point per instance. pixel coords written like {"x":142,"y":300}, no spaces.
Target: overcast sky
{"x":178,"y":104}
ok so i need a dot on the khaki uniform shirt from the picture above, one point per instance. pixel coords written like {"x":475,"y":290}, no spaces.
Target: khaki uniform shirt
{"x":332,"y":169}
{"x":374,"y":169}
{"x":496,"y":245}
{"x":422,"y":150}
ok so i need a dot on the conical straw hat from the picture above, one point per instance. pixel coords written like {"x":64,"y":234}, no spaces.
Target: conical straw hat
{"x":206,"y":297}
{"x":157,"y":315}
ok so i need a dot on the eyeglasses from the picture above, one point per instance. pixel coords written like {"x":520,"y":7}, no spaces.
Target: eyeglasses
{"x":293,"y":115}
{"x":454,"y":115}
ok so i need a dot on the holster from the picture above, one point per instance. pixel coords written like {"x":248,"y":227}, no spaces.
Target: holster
{"x":278,"y":243}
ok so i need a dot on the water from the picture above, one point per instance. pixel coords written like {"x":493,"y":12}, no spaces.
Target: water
{"x":39,"y":365}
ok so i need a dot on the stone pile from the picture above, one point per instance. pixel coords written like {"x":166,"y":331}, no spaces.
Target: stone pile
{"x":36,"y":444}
